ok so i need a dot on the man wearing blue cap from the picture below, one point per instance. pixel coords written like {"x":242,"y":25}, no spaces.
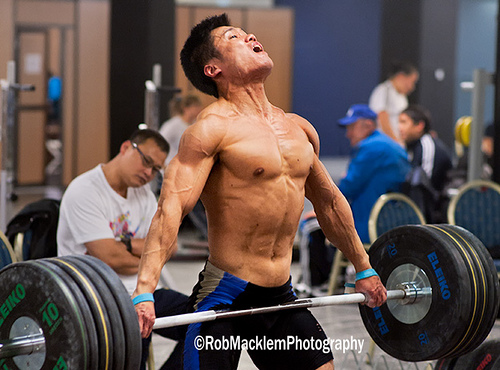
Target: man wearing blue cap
{"x":378,"y":165}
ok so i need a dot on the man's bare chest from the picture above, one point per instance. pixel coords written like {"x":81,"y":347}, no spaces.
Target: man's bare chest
{"x":265,"y":151}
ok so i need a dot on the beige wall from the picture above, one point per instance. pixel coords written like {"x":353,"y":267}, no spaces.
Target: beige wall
{"x":6,"y":41}
{"x":92,"y":126}
{"x":6,"y":35}
{"x":85,"y":130}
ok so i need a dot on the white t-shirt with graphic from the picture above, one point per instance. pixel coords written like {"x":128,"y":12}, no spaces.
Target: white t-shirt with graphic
{"x":91,"y":210}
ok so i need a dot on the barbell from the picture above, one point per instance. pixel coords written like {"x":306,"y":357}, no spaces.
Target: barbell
{"x":74,"y":312}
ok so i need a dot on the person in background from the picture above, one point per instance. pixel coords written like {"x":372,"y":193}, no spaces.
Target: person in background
{"x":487,"y":145}
{"x":426,"y":153}
{"x":378,"y":165}
{"x":106,"y":213}
{"x":424,"y":150}
{"x":390,"y":97}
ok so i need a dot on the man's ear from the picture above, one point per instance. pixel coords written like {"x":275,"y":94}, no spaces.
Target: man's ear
{"x":211,"y":70}
{"x":421,"y":125}
{"x":125,"y":145}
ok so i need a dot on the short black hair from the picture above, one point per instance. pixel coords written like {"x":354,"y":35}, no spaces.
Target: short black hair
{"x":404,"y":67}
{"x":198,"y":50}
{"x":140,"y":136}
{"x":418,"y":113}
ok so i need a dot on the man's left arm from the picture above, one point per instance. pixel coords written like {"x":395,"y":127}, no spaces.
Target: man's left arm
{"x":336,"y":220}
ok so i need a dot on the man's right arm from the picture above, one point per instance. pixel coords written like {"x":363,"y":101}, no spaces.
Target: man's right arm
{"x":378,"y":104}
{"x":183,"y":183}
{"x":385,"y":125}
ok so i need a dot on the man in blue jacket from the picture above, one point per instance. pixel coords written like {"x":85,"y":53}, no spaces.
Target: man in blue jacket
{"x":378,"y":165}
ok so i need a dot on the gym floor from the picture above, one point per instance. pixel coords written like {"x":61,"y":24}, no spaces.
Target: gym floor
{"x":339,"y":322}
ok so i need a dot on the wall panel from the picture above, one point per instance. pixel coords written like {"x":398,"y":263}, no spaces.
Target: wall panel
{"x":274,"y":29}
{"x":45,"y":12}
{"x":93,"y":84}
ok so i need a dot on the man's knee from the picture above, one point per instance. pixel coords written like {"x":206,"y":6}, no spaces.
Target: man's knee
{"x":327,"y":366}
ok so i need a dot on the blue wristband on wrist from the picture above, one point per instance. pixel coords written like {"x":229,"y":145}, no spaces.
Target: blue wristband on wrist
{"x":144,"y":297}
{"x":365,"y":274}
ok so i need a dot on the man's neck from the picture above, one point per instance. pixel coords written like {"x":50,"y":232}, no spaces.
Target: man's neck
{"x":395,"y":84}
{"x":247,"y":99}
{"x":113,"y":178}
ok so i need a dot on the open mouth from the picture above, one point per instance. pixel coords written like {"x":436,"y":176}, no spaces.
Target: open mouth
{"x":257,"y":48}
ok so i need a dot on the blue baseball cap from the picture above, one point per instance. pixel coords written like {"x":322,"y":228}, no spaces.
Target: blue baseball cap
{"x":356,"y":112}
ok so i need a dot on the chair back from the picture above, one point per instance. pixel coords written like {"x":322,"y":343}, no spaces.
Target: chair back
{"x":476,"y":207}
{"x":33,"y":231}
{"x":392,"y":210}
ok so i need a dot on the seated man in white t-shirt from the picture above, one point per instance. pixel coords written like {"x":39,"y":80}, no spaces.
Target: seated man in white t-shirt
{"x":106,"y":213}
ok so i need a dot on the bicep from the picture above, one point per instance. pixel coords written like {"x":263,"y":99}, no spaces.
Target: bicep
{"x":320,"y":188}
{"x":378,"y":99}
{"x":188,"y":172}
{"x":184,"y":183}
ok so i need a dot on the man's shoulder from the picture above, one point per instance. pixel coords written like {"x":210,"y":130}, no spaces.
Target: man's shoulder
{"x":379,"y":142}
{"x":381,"y":88}
{"x":85,"y":184}
{"x":86,"y":178}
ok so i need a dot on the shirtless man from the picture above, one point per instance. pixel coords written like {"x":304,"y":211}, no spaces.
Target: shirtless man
{"x":252,"y":164}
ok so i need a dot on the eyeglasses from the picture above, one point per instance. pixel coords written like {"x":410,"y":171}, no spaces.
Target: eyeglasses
{"x":146,"y":161}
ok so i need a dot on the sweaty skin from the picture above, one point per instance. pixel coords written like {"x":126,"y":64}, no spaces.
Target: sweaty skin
{"x":252,"y":164}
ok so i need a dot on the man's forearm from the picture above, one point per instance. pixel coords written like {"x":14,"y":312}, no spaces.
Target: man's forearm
{"x":385,"y":125}
{"x":137,"y":246}
{"x":159,"y":246}
{"x":114,"y":253}
{"x":337,"y":223}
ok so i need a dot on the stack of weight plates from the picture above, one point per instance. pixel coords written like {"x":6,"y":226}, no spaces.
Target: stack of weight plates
{"x":485,"y":357}
{"x":80,"y":307}
{"x":458,"y":292}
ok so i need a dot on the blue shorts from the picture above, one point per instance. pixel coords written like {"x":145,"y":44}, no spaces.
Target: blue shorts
{"x":217,"y":290}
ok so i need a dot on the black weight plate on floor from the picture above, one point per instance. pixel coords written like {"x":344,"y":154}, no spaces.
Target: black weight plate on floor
{"x":492,"y":307}
{"x":447,"y":319}
{"x":88,"y":318}
{"x":35,"y":291}
{"x":479,"y":289}
{"x":445,"y":364}
{"x":99,"y":313}
{"x":126,"y":308}
{"x":488,"y":277}
{"x":483,"y":357}
{"x":117,"y":332}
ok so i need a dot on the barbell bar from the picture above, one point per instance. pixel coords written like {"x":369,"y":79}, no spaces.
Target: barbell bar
{"x":443,"y":298}
{"x":204,"y":316}
{"x":36,"y":342}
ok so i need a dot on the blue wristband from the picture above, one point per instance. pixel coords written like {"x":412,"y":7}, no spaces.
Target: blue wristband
{"x":365,"y":274}
{"x":144,"y":297}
